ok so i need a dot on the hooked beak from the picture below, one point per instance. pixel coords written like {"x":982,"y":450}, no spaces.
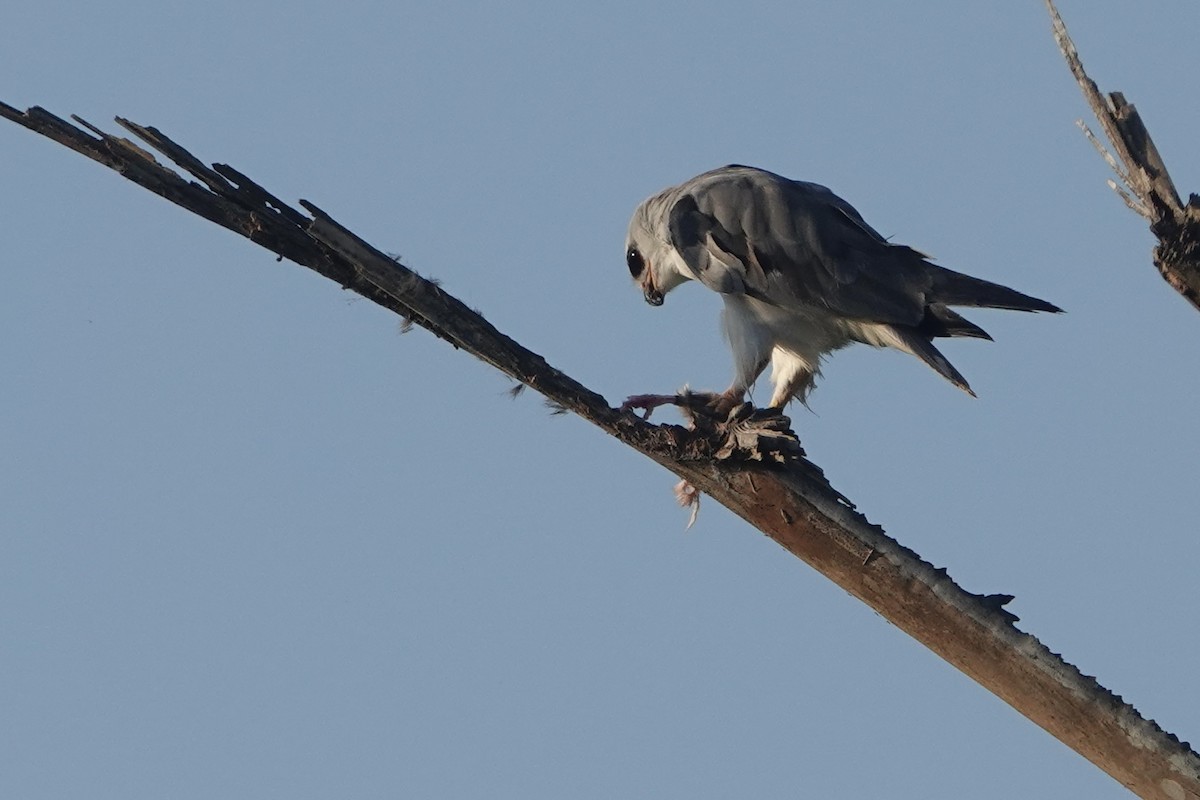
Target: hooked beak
{"x":653,"y":296}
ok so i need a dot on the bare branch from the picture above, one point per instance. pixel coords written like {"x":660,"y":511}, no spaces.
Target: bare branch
{"x":1142,"y":171}
{"x":749,"y":462}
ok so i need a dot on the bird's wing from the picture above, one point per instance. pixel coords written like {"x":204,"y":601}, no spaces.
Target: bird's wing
{"x":794,"y":244}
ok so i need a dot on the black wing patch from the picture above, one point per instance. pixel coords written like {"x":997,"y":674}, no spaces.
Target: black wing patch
{"x":708,"y":252}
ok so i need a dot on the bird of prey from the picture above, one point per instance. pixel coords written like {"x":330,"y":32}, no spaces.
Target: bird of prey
{"x":802,"y":275}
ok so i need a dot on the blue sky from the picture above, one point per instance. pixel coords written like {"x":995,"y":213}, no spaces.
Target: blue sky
{"x":256,"y":543}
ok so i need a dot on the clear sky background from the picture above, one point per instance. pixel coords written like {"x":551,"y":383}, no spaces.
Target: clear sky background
{"x":255,"y":543}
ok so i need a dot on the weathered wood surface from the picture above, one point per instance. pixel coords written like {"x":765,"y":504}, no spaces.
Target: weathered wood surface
{"x":747,"y":464}
{"x":1145,"y":185}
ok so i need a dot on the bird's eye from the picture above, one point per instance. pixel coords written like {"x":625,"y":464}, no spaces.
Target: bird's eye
{"x":635,"y":261}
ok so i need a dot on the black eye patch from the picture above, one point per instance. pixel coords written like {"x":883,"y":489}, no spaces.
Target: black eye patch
{"x":635,"y":261}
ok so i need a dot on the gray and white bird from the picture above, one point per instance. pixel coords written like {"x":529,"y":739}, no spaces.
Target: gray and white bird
{"x":801,"y":275}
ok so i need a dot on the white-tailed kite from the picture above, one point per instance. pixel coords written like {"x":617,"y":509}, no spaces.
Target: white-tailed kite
{"x":801,"y":275}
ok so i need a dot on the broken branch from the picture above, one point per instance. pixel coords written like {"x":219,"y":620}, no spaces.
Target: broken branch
{"x":1150,"y":190}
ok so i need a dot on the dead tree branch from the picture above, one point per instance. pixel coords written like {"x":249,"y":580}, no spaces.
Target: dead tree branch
{"x":1145,"y":185}
{"x":750,"y":463}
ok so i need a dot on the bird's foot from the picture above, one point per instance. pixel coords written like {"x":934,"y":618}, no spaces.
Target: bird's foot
{"x":649,"y":402}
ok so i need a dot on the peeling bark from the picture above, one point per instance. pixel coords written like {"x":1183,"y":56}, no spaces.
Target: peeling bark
{"x":750,"y":462}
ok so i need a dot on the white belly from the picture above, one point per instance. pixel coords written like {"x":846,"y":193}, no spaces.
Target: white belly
{"x":793,"y":340}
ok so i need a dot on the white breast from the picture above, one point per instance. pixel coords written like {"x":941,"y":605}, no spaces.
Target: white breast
{"x":793,"y":340}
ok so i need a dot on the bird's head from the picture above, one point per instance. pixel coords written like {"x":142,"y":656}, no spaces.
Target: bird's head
{"x":652,"y":260}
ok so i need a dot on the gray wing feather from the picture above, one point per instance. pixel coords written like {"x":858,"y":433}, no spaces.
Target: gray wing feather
{"x":794,"y":243}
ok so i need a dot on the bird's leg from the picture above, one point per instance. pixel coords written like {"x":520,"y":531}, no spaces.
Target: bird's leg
{"x":793,"y":375}
{"x":795,"y":384}
{"x":717,"y":406}
{"x":749,"y":365}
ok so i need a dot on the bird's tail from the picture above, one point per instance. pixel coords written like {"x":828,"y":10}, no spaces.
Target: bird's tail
{"x":920,"y":346}
{"x":941,"y":321}
{"x":955,"y":289}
